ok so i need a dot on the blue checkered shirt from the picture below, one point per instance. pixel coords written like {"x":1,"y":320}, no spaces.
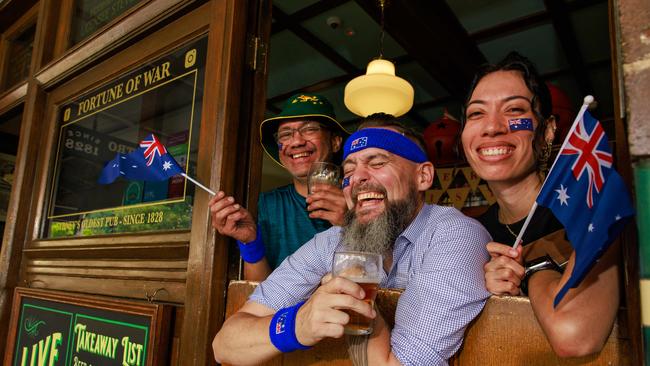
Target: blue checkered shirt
{"x":438,"y":261}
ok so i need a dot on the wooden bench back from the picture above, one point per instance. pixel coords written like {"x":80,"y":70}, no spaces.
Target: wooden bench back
{"x":505,"y":333}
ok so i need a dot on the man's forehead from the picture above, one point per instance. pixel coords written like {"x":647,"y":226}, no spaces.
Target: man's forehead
{"x":295,"y":123}
{"x":367,"y":154}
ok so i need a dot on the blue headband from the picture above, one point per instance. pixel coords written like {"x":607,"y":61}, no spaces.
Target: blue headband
{"x":388,"y":140}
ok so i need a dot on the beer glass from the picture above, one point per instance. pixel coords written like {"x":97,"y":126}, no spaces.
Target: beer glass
{"x":364,"y":269}
{"x":322,"y":172}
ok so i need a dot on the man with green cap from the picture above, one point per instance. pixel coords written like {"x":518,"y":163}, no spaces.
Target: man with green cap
{"x":304,"y":132}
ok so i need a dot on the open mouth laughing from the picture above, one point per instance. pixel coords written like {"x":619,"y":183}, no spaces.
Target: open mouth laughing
{"x":368,"y":197}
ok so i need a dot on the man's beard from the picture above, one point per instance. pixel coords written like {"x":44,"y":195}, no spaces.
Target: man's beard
{"x":379,"y":235}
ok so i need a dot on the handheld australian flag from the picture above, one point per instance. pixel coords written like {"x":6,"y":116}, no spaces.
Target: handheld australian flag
{"x":586,"y":195}
{"x":150,"y":162}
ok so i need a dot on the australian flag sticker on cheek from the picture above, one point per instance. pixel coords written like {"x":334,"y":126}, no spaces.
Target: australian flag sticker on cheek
{"x":520,"y":124}
{"x":346,"y":182}
{"x":359,"y":143}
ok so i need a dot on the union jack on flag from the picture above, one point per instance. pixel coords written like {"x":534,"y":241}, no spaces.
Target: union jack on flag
{"x":586,"y":195}
{"x":152,"y":147}
{"x":591,"y":158}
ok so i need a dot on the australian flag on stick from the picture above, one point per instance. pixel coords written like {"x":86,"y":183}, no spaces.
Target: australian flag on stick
{"x":586,"y":195}
{"x":150,"y":162}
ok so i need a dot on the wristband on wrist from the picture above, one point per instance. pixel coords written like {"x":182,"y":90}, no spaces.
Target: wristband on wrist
{"x":254,"y":251}
{"x":282,"y":329}
{"x":538,"y":264}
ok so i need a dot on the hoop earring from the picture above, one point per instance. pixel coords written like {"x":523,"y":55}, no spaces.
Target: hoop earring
{"x":542,"y":162}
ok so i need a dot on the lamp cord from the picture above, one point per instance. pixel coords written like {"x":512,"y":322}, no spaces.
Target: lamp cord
{"x":382,"y":4}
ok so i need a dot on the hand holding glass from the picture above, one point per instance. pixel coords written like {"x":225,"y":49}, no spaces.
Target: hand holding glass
{"x":364,"y":269}
{"x":322,"y":172}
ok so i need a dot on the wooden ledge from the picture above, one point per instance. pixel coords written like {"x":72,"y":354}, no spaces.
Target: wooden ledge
{"x":505,"y":333}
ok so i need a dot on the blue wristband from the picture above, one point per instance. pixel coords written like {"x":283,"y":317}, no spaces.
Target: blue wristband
{"x":254,"y":251}
{"x":282,"y":329}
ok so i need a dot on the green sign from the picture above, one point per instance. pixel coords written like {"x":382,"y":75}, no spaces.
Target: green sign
{"x":75,"y":331}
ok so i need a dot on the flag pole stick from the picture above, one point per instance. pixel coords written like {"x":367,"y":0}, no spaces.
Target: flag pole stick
{"x":585,"y":103}
{"x":198,"y":184}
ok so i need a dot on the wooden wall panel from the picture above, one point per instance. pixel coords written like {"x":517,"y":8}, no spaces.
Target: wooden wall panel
{"x":128,"y":288}
{"x":126,"y":266}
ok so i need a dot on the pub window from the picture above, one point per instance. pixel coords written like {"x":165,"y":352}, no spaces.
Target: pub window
{"x":19,"y":55}
{"x":9,"y":131}
{"x":90,"y":15}
{"x":161,"y":97}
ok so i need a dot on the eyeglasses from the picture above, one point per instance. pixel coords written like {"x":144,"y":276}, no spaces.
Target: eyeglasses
{"x":307,"y":131}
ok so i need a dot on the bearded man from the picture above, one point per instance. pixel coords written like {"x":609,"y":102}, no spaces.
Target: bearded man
{"x":436,"y":254}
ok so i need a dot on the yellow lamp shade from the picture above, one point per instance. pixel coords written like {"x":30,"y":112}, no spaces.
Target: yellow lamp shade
{"x":379,"y":90}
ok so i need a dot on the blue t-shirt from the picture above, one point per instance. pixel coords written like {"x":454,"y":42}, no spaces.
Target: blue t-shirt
{"x":284,"y":219}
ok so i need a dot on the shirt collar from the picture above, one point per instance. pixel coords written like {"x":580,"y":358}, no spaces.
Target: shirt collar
{"x":415,"y":228}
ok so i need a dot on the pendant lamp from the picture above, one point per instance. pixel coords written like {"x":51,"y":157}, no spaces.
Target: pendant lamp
{"x":379,"y":90}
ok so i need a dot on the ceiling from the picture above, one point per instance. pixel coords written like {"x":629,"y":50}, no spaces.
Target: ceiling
{"x":436,"y":46}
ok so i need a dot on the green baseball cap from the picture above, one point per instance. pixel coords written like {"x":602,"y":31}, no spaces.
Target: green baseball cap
{"x":302,"y":105}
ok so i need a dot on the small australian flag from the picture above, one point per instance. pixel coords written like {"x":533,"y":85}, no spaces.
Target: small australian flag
{"x":587,"y":196}
{"x":150,"y":162}
{"x":359,"y":143}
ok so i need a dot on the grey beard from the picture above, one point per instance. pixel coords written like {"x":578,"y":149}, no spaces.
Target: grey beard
{"x":379,"y":235}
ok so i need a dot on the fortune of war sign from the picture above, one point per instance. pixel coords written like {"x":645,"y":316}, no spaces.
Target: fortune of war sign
{"x":50,"y":328}
{"x":161,"y":96}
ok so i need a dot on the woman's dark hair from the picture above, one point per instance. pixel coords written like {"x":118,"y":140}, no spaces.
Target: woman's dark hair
{"x":378,"y":120}
{"x":541,"y":102}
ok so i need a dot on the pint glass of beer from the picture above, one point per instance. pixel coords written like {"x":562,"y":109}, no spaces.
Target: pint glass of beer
{"x":364,"y":269}
{"x":325,"y":173}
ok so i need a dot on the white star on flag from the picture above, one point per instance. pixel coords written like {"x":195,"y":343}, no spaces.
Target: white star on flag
{"x":591,"y":228}
{"x":167,"y":165}
{"x":618,"y":217}
{"x":562,"y":195}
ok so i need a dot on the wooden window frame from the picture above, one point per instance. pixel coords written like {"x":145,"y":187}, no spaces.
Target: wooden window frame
{"x":63,"y":59}
{"x":16,"y":29}
{"x":203,"y":253}
{"x":175,"y":244}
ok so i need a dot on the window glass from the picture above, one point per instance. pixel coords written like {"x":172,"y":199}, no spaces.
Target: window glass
{"x":9,"y":131}
{"x":90,"y":15}
{"x":19,"y":57}
{"x":162,"y":97}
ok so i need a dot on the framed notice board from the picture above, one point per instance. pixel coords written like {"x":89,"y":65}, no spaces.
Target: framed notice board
{"x":58,"y":328}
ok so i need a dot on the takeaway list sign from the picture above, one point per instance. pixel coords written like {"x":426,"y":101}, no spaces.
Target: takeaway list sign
{"x":55,"y":333}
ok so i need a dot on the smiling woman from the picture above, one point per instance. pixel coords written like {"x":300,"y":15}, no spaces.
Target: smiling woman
{"x":508,"y":126}
{"x":503,"y":155}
